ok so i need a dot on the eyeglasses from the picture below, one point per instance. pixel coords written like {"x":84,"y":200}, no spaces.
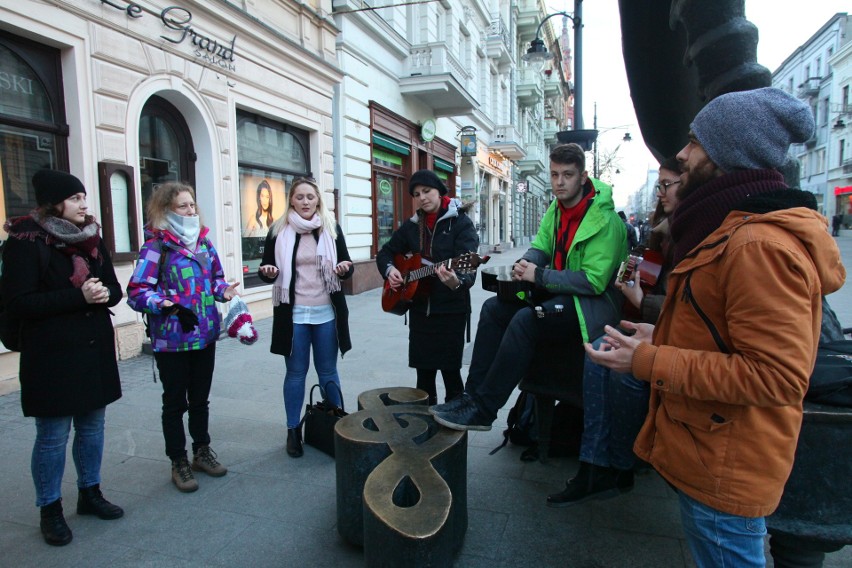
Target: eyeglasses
{"x":184,"y":206}
{"x":662,"y":187}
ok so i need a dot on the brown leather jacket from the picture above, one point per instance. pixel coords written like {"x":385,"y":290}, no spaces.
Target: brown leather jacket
{"x":731,"y":357}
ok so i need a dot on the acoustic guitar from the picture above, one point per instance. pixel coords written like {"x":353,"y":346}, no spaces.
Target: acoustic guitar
{"x":412,"y":269}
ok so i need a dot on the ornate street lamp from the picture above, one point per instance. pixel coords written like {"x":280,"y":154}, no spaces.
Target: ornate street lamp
{"x":538,"y":53}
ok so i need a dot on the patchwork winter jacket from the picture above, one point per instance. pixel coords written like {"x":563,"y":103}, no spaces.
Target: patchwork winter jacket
{"x":167,"y":270}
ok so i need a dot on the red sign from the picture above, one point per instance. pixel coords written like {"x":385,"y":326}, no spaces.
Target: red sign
{"x":842,"y":190}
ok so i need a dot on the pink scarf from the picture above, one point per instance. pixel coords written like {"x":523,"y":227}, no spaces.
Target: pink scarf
{"x":285,"y":247}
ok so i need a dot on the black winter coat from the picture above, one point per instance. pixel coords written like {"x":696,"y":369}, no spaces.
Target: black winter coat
{"x":282,"y":314}
{"x":454,"y":235}
{"x":68,"y":363}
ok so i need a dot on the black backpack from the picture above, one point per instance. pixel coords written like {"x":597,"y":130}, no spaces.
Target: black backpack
{"x":522,"y":429}
{"x":831,"y":381}
{"x":10,"y":326}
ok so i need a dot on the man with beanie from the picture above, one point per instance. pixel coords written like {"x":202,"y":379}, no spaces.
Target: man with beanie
{"x":571,"y":265}
{"x":735,"y":344}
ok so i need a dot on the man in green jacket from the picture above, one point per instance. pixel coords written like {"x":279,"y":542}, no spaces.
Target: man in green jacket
{"x":571,"y":263}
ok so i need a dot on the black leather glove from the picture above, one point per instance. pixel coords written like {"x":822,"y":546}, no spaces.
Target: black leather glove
{"x":186,"y":317}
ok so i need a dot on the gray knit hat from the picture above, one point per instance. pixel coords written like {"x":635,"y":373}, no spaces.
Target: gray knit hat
{"x":749,"y":130}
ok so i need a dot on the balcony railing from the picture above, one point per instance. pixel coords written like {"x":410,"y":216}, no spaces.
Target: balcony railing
{"x":551,"y":127}
{"x":499,"y":44}
{"x":508,"y":141}
{"x":434,"y":76}
{"x":533,"y":163}
{"x":529,"y":87}
{"x":810,"y":88}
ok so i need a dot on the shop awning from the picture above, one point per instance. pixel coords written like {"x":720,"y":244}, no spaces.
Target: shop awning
{"x":843,"y":190}
{"x":444,"y":165}
{"x":391,"y":144}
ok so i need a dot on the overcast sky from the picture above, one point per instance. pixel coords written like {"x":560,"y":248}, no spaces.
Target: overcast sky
{"x":783,"y":24}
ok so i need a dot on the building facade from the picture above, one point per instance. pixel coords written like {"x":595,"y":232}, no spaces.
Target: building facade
{"x":840,"y":146}
{"x":127,"y":95}
{"x":807,"y":74}
{"x":239,"y":98}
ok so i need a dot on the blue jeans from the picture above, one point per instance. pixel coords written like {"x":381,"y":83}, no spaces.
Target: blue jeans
{"x":48,"y":460}
{"x":323,"y":338}
{"x":718,"y":539}
{"x":614,"y":408}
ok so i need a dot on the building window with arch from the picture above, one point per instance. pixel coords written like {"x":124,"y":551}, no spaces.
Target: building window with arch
{"x":270,"y":155}
{"x":33,"y":131}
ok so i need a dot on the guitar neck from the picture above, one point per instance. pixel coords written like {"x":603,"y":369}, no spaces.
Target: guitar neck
{"x":425,"y":271}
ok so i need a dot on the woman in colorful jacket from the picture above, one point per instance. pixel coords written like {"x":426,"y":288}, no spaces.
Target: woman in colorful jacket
{"x":177,"y":282}
{"x":441,"y":307}
{"x":58,"y":283}
{"x":305,"y":258}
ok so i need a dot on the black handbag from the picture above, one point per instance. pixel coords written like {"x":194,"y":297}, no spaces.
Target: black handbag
{"x":319,"y":421}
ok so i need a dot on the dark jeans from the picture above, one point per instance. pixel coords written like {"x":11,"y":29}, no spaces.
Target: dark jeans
{"x":505,"y":345}
{"x":186,"y":378}
{"x":453,"y":385}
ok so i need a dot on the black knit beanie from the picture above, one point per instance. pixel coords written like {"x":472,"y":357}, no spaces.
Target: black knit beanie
{"x":427,"y":178}
{"x":52,"y":187}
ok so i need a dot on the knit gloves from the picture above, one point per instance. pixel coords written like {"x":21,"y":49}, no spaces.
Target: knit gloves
{"x":186,"y":317}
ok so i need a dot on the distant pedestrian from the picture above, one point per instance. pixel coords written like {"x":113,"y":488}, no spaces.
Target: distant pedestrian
{"x":305,"y":258}
{"x":177,"y":282}
{"x":632,"y":233}
{"x":58,"y":280}
{"x":836,"y":221}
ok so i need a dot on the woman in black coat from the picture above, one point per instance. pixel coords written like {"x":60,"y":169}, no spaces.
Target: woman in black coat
{"x":58,"y":282}
{"x":441,"y":307}
{"x":305,"y":258}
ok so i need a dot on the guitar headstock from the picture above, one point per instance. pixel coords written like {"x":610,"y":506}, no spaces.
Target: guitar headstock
{"x":467,"y":262}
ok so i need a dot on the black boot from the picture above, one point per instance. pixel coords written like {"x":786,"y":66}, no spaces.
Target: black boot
{"x":294,"y":442}
{"x":53,"y":525}
{"x":90,"y":501}
{"x":592,"y":482}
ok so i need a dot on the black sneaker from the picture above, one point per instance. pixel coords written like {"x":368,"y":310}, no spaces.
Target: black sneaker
{"x":450,"y":404}
{"x":465,"y":416}
{"x":592,"y":482}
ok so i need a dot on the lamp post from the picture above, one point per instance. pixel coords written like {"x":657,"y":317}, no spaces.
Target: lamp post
{"x":627,"y":138}
{"x":538,"y":52}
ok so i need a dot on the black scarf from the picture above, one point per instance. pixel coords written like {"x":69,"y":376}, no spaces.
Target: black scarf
{"x":704,"y":210}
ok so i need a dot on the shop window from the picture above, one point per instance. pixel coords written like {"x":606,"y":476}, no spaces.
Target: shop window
{"x":166,"y":152}
{"x":270,"y":155}
{"x":33,"y":132}
{"x":118,"y":210}
{"x":389,"y":189}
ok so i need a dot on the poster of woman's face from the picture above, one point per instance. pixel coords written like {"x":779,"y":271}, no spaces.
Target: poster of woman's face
{"x":261,"y":203}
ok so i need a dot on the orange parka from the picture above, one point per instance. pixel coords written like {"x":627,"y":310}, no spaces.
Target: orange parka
{"x":731,"y":357}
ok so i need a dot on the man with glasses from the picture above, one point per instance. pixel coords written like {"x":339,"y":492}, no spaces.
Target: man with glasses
{"x":730,"y":358}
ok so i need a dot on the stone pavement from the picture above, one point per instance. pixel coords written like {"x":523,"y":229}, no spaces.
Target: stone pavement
{"x":271,"y":510}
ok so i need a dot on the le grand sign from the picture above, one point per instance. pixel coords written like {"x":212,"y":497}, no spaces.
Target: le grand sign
{"x":178,"y":19}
